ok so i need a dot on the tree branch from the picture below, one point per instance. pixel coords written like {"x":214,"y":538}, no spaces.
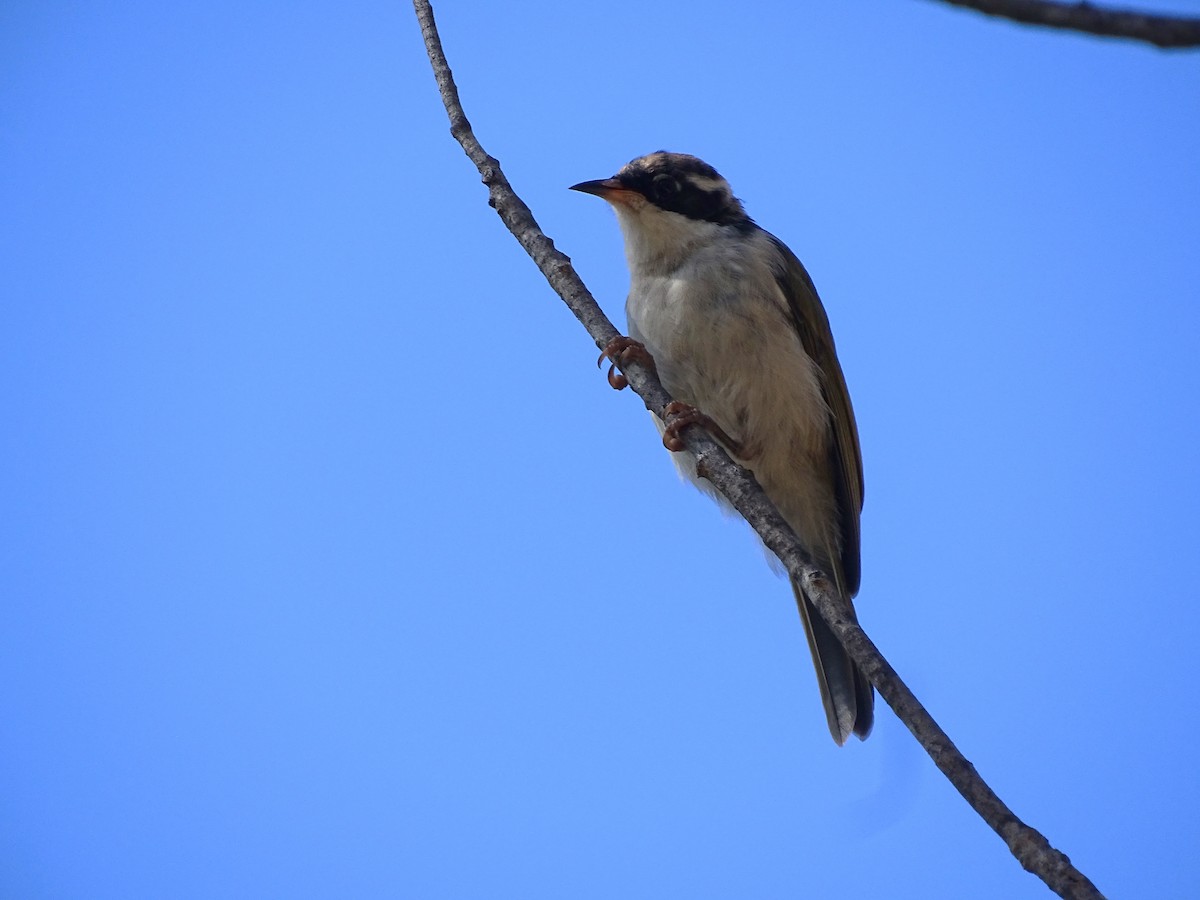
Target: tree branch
{"x":1162,"y":31}
{"x":739,"y":487}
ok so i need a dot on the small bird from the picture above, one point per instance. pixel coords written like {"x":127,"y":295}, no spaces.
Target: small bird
{"x":730,"y":319}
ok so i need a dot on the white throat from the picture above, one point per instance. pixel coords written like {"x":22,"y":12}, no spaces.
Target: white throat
{"x":656,"y":241}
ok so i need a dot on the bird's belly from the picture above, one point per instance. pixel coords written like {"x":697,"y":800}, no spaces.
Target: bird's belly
{"x":737,"y":358}
{"x":740,"y":361}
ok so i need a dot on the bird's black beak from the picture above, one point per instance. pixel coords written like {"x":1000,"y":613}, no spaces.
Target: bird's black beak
{"x":601,"y":188}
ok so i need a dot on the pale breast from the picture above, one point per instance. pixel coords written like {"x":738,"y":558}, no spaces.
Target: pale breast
{"x":723,"y":340}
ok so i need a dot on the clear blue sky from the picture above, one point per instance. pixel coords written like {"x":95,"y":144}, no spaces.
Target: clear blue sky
{"x":332,"y":567}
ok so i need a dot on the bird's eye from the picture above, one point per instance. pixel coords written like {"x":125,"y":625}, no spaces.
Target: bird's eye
{"x":664,"y":186}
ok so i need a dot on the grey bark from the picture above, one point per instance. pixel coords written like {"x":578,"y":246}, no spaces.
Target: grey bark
{"x":1162,"y":31}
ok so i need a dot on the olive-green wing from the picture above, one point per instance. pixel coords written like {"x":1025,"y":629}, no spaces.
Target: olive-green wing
{"x":812,"y":325}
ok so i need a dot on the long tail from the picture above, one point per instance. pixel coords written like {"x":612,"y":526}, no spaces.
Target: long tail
{"x":845,"y":692}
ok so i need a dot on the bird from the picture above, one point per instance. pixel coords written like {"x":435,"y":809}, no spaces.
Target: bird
{"x":730,"y":319}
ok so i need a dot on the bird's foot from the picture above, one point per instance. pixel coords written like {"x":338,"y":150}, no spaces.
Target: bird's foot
{"x":619,"y":351}
{"x":679,"y":415}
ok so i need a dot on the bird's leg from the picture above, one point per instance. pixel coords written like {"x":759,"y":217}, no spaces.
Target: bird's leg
{"x":679,"y":415}
{"x":621,"y":350}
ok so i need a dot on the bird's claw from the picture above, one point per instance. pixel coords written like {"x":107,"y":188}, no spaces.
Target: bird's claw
{"x":679,"y":415}
{"x":619,"y":351}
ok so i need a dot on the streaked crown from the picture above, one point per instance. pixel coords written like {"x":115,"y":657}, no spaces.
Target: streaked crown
{"x":683,"y":184}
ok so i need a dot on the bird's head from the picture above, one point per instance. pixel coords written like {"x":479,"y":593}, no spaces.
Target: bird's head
{"x":667,"y":203}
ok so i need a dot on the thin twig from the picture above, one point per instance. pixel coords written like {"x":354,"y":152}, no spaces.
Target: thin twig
{"x":1162,"y":31}
{"x":739,"y":487}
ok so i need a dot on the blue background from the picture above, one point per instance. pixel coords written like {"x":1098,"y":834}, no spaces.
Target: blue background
{"x":331,"y":566}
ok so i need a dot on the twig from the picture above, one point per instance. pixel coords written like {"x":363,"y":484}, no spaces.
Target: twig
{"x":1162,"y":31}
{"x":739,"y":487}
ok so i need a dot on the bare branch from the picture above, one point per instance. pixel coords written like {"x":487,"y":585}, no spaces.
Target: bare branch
{"x":1162,"y":31}
{"x":1032,"y":849}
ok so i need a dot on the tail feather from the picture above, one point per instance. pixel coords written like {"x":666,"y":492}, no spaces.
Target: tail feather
{"x":846,"y":693}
